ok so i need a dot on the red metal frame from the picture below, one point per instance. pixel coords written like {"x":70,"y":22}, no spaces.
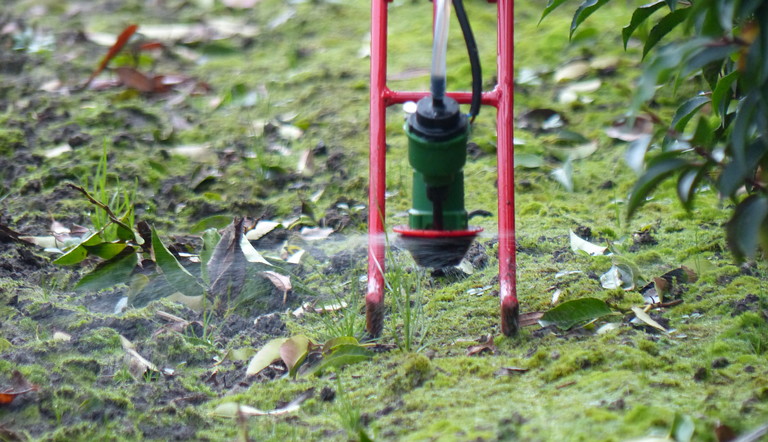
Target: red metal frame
{"x":501,"y":97}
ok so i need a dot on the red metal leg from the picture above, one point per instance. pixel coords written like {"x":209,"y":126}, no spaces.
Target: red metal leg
{"x":374,"y":299}
{"x":382,"y":97}
{"x":506,"y":167}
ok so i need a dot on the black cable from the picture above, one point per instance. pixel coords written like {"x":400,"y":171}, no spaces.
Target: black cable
{"x":474,"y":59}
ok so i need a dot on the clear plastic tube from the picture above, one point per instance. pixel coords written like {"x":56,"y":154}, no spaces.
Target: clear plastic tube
{"x":440,"y":49}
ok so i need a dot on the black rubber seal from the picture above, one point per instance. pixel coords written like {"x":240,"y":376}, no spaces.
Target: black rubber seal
{"x":437,"y":121}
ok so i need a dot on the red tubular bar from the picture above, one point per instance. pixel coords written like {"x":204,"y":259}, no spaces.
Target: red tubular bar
{"x":501,"y":98}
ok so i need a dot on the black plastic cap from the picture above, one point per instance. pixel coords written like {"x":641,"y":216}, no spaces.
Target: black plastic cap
{"x":437,"y":121}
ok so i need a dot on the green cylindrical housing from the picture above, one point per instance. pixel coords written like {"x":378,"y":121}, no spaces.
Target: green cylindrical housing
{"x":438,"y":164}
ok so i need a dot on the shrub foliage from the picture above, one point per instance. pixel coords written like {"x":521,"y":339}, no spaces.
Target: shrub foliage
{"x":719,"y":137}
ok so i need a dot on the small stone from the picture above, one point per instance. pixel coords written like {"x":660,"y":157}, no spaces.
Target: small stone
{"x":700,"y":375}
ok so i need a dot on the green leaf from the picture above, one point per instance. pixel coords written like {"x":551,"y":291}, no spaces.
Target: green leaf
{"x":528,"y":160}
{"x":215,"y":221}
{"x":687,"y":184}
{"x":638,"y":17}
{"x":725,"y":11}
{"x":570,"y":313}
{"x":585,"y":10}
{"x":734,"y":173}
{"x":664,"y":27}
{"x":176,"y":275}
{"x":267,"y":355}
{"x":722,"y":93}
{"x":293,"y":352}
{"x":663,"y":166}
{"x":211,"y":237}
{"x":743,"y":229}
{"x":703,"y":135}
{"x":672,"y":4}
{"x":682,"y":428}
{"x":106,"y":250}
{"x":686,"y":111}
{"x":332,"y":344}
{"x":711,"y":53}
{"x":73,"y":256}
{"x":79,"y":253}
{"x":742,"y":128}
{"x":551,"y":6}
{"x":345,"y":354}
{"x":108,"y":273}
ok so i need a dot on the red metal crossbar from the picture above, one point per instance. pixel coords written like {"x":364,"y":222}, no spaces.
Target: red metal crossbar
{"x":501,"y":97}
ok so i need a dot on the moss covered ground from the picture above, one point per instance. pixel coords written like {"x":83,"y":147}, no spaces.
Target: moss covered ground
{"x":267,"y":85}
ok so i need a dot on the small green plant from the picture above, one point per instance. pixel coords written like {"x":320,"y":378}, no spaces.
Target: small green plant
{"x":349,"y":414}
{"x":403,"y":287}
{"x":342,"y":317}
{"x":119,"y":201}
{"x":718,"y":136}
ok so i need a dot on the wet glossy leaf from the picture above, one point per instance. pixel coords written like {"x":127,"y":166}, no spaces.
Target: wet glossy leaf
{"x":177,"y":276}
{"x":687,"y":184}
{"x":722,"y":93}
{"x":661,"y":168}
{"x":638,"y":17}
{"x":571,"y":313}
{"x":686,"y":111}
{"x":115,"y":271}
{"x":664,"y":27}
{"x":744,"y":228}
{"x":106,"y":250}
{"x":734,"y":173}
{"x":551,"y":6}
{"x":267,"y":355}
{"x":711,"y":53}
{"x":585,"y":10}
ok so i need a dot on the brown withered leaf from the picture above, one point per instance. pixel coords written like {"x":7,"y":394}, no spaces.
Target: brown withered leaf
{"x":19,"y":386}
{"x":227,"y":265}
{"x":530,"y":318}
{"x":507,"y":371}
{"x":486,"y":345}
{"x":282,"y":282}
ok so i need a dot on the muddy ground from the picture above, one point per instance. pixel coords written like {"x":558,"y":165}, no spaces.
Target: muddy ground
{"x":217,"y":110}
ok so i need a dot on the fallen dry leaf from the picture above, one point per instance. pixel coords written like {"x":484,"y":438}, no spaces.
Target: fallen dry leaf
{"x":486,"y":345}
{"x":138,"y":366}
{"x":282,"y":282}
{"x":19,"y":385}
{"x":122,"y":39}
{"x":530,"y":318}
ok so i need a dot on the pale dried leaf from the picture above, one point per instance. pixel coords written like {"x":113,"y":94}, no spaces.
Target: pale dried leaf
{"x":315,"y":233}
{"x":262,"y":228}
{"x":579,"y":244}
{"x":571,"y":71}
{"x":646,"y":318}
